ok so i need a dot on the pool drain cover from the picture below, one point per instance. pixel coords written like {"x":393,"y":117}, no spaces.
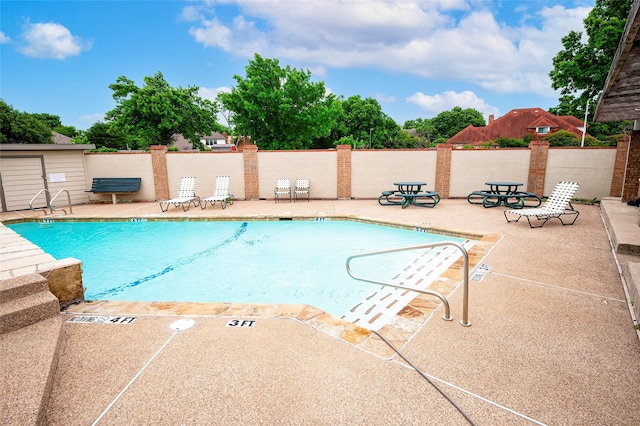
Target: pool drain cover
{"x":182,"y":324}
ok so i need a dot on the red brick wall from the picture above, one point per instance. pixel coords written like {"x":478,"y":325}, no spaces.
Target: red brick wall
{"x":344,"y":171}
{"x":617,"y":180}
{"x":443,"y":169}
{"x":160,"y":177}
{"x":632,"y":173}
{"x":537,"y":166}
{"x":251,"y":187}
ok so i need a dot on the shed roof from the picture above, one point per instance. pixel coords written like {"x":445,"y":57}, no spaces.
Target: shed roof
{"x":620,"y":98}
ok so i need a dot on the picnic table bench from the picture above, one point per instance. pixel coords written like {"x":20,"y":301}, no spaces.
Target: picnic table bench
{"x":115,"y":186}
{"x":421,"y":199}
{"x":514,"y":200}
{"x":409,"y":193}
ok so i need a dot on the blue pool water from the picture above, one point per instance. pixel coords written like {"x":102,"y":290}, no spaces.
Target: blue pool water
{"x":300,"y":262}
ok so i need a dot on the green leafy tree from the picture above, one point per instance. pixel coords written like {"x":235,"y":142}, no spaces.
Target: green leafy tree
{"x":510,"y":142}
{"x":446,"y":124}
{"x":364,"y":121}
{"x":22,"y":127}
{"x":70,"y":131}
{"x":104,"y":135}
{"x":155,"y":112}
{"x":280,"y":108}
{"x":52,"y":121}
{"x":562,"y":138}
{"x":583,"y":66}
{"x":405,"y":140}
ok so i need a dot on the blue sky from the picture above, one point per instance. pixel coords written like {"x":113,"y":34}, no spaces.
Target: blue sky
{"x":417,"y":58}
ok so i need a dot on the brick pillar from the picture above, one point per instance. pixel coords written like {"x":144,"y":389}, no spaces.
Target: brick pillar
{"x":443,"y":169}
{"x":160,"y":175}
{"x":617,"y":179}
{"x":632,"y":171}
{"x":537,"y":166}
{"x":250,"y":158}
{"x":344,"y":172}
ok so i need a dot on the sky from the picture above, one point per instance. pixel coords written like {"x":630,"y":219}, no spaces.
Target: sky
{"x":416,"y":58}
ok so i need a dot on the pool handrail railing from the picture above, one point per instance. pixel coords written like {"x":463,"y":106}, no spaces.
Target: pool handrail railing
{"x":465,"y":271}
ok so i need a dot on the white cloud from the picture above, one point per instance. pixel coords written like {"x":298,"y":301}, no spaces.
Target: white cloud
{"x":440,"y":40}
{"x":4,"y":38}
{"x":86,"y":121}
{"x":211,"y":93}
{"x":433,"y":105}
{"x":51,"y":41}
{"x":384,"y":98}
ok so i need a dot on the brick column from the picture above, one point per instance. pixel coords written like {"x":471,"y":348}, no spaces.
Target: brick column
{"x":443,"y":169}
{"x":250,"y":158}
{"x":344,"y":172}
{"x":632,"y":171}
{"x":617,"y":180}
{"x":537,"y":166}
{"x":160,"y":175}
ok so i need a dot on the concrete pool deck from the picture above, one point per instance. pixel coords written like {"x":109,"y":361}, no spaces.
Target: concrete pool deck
{"x":551,"y":342}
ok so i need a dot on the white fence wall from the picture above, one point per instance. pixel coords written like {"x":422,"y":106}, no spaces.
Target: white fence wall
{"x":372,"y":171}
{"x":375,"y":171}
{"x":470,"y":169}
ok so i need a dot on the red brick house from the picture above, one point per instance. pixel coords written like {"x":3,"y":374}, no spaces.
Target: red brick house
{"x":516,"y":124}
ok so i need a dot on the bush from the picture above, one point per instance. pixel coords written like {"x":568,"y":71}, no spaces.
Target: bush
{"x":511,"y":143}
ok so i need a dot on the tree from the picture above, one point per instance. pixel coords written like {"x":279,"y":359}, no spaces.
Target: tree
{"x":22,"y":127}
{"x":280,"y":108}
{"x":104,"y":135}
{"x":583,"y":67}
{"x":446,"y":124}
{"x":363,"y":121}
{"x":70,"y":131}
{"x":157,"y":111}
{"x":52,"y":121}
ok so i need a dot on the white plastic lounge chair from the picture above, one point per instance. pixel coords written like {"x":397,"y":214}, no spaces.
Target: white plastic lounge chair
{"x":186,"y":195}
{"x":557,"y":205}
{"x":302,"y":187}
{"x":283,"y":187}
{"x":220,"y":193}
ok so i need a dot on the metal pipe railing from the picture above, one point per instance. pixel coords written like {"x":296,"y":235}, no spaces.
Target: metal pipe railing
{"x":465,"y":271}
{"x":46,"y":196}
{"x":68,"y":201}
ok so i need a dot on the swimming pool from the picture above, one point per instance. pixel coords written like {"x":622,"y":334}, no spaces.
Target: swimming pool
{"x":273,"y":262}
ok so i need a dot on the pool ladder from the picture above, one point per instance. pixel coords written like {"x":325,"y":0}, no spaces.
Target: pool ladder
{"x":47,"y":196}
{"x":465,"y":272}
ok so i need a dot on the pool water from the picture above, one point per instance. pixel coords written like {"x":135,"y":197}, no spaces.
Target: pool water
{"x":274,"y":262}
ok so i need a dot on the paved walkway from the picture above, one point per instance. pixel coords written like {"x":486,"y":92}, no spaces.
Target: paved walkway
{"x":551,"y":342}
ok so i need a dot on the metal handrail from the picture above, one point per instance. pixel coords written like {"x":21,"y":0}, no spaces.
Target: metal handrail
{"x":68,"y":202}
{"x":465,"y":271}
{"x":47,"y":196}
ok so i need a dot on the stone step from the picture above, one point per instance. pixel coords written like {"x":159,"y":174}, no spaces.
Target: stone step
{"x":21,"y":286}
{"x":26,"y":305}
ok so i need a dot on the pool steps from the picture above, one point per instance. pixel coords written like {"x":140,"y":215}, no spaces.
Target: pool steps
{"x":383,"y":304}
{"x":25,"y":300}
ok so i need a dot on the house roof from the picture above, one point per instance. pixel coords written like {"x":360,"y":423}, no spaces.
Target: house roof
{"x":516,"y":124}
{"x":60,"y":139}
{"x":620,"y":99}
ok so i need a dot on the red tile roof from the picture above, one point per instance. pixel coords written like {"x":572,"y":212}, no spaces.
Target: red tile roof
{"x":516,"y":124}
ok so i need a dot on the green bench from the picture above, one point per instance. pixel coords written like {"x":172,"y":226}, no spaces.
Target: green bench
{"x":115,"y":186}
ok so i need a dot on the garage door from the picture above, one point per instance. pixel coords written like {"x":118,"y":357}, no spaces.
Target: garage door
{"x":22,"y":178}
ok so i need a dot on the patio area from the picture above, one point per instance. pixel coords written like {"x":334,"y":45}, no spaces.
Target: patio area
{"x":552,"y":339}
